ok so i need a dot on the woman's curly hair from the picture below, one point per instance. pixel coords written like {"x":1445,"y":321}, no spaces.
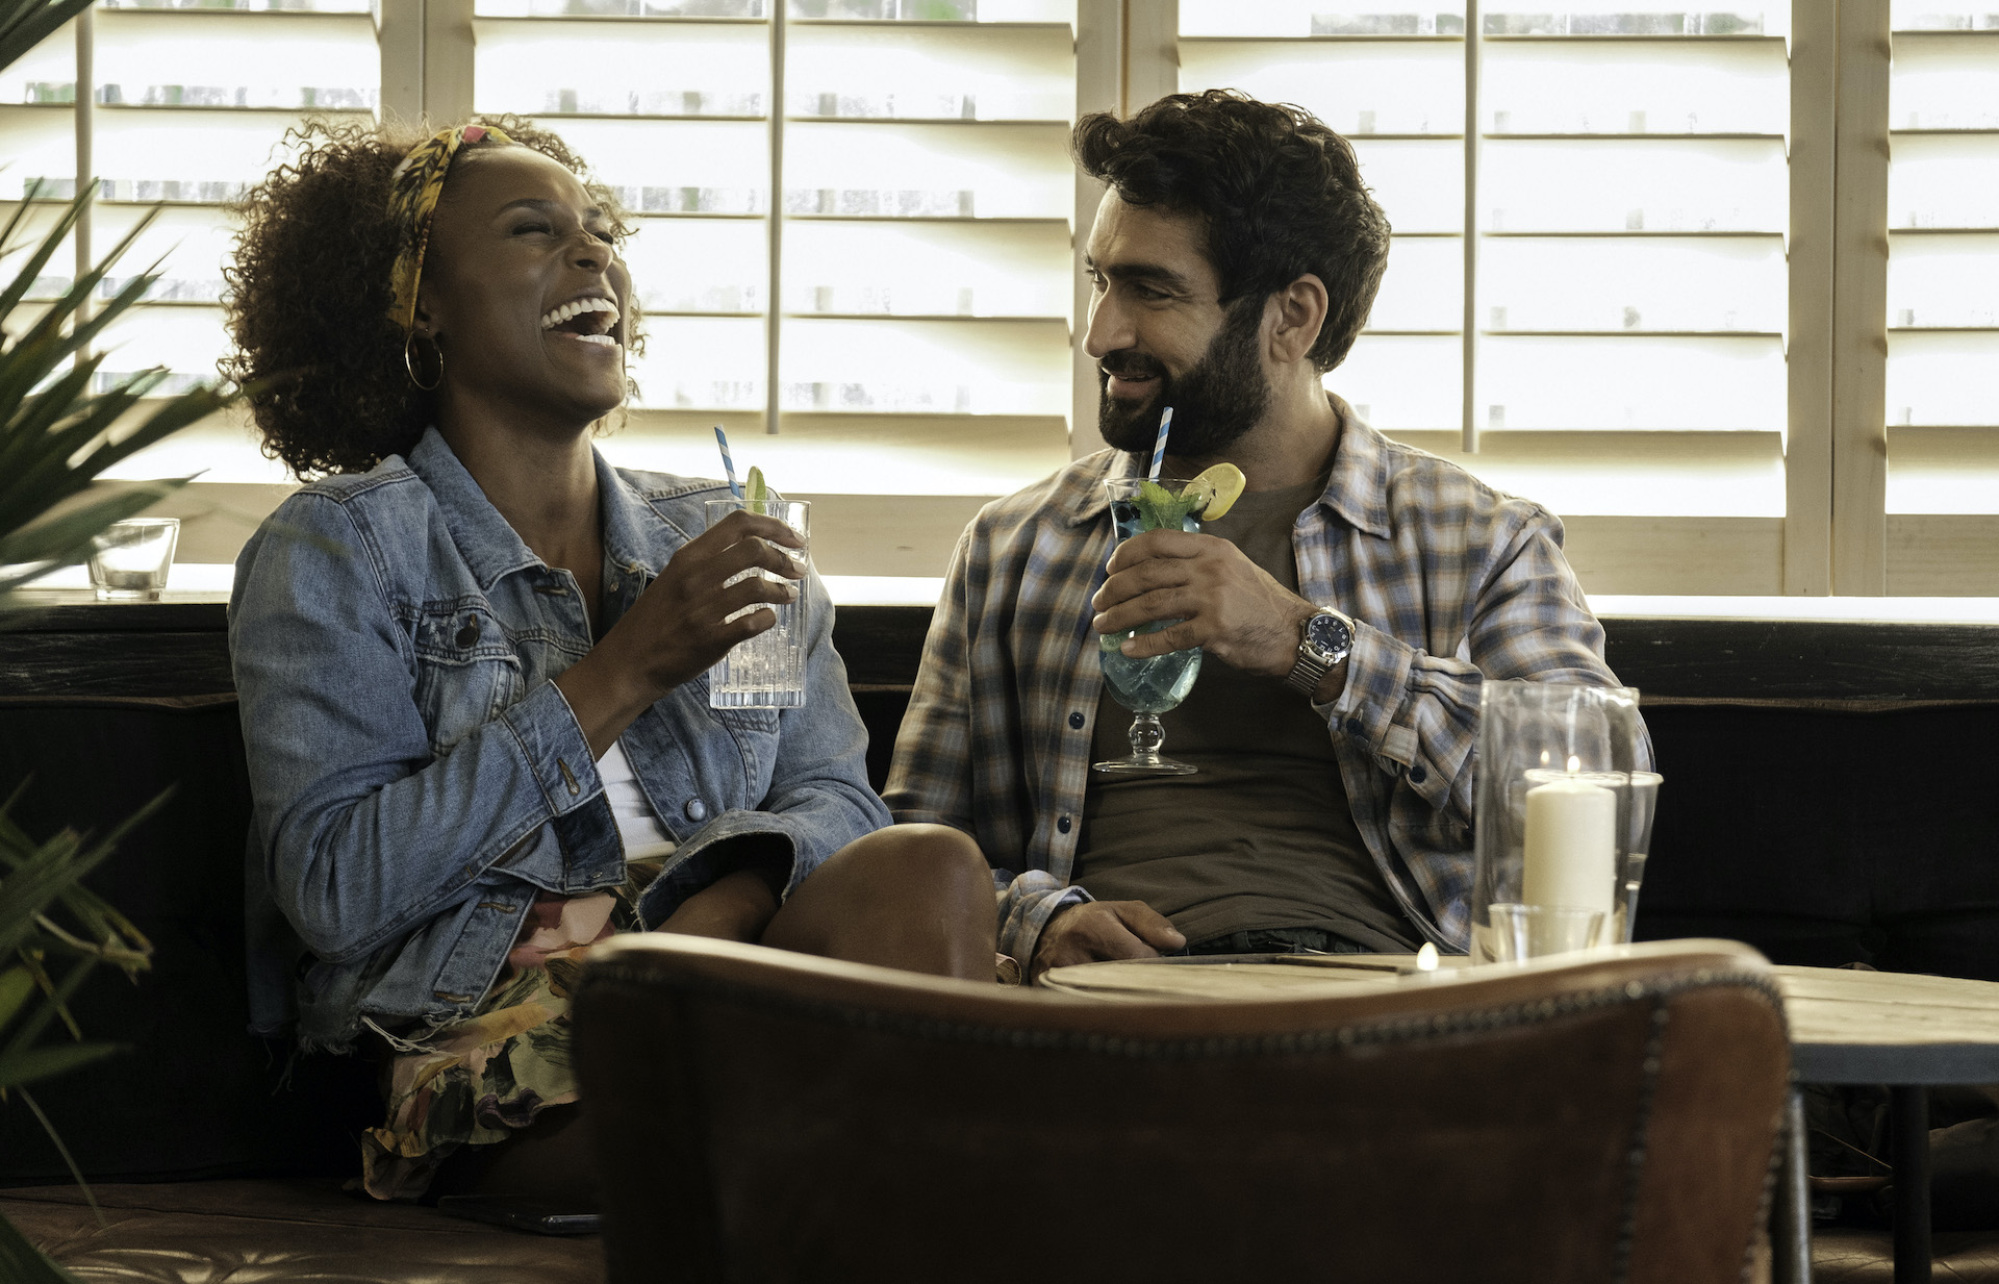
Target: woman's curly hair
{"x":308,"y":295}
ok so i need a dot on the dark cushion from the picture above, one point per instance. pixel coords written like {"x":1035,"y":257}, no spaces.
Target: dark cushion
{"x":1825,"y":836}
{"x":196,"y":1095}
{"x":200,"y":1232}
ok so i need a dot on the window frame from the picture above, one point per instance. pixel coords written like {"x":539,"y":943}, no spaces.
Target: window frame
{"x":1835,"y":536}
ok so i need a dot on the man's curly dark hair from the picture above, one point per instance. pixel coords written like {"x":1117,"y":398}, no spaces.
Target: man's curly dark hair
{"x":308,"y":294}
{"x":1277,"y":192}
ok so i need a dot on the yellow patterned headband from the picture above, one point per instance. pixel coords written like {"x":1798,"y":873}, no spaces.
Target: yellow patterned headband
{"x":413,"y":192}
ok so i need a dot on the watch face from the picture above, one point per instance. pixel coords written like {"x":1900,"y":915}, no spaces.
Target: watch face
{"x":1329,"y":636}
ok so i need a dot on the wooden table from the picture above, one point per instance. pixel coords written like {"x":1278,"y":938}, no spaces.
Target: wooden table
{"x":1847,"y":1027}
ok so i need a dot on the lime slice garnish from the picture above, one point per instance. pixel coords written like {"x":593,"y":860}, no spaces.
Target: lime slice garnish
{"x":1215,"y":491}
{"x":755,"y":494}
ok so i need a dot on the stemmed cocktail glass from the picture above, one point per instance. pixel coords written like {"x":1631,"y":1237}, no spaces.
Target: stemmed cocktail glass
{"x":1151,"y":686}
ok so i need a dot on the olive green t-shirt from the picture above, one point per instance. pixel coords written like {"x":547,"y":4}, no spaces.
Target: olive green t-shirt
{"x":1262,"y":835}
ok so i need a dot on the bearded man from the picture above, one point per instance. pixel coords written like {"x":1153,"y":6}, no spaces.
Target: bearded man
{"x":1350,"y":604}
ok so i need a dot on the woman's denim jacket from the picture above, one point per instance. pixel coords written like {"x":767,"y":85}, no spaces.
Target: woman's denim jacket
{"x":418,"y":778}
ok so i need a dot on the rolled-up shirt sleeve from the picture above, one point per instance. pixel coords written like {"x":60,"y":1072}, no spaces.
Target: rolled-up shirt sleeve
{"x":1417,"y":713}
{"x":1026,"y":903}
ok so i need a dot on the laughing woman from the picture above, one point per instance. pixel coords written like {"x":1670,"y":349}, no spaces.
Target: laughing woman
{"x":470,"y":659}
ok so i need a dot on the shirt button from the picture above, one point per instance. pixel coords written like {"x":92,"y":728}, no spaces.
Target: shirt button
{"x":1417,"y":775}
{"x":469,"y":634}
{"x":696,"y":809}
{"x":1353,"y":726}
{"x":1063,"y":824}
{"x":1076,"y":721}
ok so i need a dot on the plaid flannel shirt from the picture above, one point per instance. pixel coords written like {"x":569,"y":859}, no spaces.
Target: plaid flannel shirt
{"x":1448,"y":582}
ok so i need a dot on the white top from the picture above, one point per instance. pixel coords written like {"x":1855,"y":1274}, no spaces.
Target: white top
{"x":638,"y":826}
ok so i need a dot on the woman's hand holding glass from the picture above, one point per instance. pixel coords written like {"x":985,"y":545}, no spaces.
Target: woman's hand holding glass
{"x":679,"y":627}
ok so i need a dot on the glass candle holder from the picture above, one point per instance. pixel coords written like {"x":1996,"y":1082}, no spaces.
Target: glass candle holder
{"x":1564,"y":815}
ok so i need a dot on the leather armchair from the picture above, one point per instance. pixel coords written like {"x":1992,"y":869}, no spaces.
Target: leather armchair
{"x":766,"y":1116}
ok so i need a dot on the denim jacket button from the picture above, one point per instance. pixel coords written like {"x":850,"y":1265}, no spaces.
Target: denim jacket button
{"x":696,"y":809}
{"x":468,"y":635}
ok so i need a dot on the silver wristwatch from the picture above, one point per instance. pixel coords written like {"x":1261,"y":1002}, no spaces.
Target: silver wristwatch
{"x":1324,"y":641}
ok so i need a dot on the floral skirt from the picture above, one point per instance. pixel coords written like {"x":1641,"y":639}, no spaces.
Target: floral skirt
{"x":481,"y":1080}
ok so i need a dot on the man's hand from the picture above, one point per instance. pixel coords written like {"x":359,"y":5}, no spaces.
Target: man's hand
{"x":1097,"y":930}
{"x":1226,"y":604}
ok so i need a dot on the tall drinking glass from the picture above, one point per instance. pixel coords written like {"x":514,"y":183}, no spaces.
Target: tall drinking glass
{"x":1151,"y":686}
{"x":768,"y":671}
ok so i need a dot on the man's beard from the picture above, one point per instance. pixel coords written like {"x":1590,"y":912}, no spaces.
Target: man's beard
{"x":1216,"y":402}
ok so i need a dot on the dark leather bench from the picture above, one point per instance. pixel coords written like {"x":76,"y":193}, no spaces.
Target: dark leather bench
{"x":1828,"y":800}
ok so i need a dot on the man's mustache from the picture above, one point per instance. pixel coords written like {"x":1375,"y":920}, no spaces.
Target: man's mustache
{"x":1127,"y":364}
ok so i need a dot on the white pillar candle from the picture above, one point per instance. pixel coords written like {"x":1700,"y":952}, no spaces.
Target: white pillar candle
{"x":1571,"y":846}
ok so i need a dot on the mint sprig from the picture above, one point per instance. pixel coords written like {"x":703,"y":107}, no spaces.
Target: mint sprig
{"x":1160,"y":509}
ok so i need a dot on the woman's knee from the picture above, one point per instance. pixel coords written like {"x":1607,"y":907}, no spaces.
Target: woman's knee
{"x":913,"y":896}
{"x":902,"y":866}
{"x":935,"y":855}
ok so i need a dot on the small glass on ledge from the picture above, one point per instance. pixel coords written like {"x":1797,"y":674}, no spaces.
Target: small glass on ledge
{"x":130,"y":560}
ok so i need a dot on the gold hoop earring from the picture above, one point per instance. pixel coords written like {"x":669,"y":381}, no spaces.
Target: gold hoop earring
{"x":409,"y":363}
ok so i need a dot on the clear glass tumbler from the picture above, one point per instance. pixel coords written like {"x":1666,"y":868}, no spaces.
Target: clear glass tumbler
{"x":130,"y":560}
{"x":768,"y":671}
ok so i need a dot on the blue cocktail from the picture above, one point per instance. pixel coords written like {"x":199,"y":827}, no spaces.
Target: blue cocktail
{"x":1151,"y":686}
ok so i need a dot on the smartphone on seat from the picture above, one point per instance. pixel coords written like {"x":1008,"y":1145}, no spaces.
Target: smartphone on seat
{"x":522,"y":1212}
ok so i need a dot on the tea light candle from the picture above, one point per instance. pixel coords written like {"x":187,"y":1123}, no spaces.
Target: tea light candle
{"x":1571,"y":844}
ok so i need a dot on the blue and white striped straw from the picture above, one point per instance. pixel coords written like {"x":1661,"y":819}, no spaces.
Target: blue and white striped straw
{"x":1158,"y":447}
{"x":728,"y":464}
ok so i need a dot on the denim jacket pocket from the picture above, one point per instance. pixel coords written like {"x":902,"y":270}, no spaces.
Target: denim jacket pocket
{"x":755,"y":722}
{"x":466,"y":670}
{"x":755,"y":732}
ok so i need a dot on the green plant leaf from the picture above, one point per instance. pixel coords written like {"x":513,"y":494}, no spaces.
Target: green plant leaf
{"x":22,"y":1263}
{"x":17,"y":1068}
{"x":17,"y":984}
{"x":38,"y":258}
{"x":32,"y":960}
{"x":107,"y":310}
{"x":49,"y":873}
{"x":96,"y":921}
{"x":15,"y":219}
{"x":44,"y":473}
{"x":56,"y":436}
{"x":55,"y":1139}
{"x":65,"y":540}
{"x":22,"y":1040}
{"x":25,"y":25}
